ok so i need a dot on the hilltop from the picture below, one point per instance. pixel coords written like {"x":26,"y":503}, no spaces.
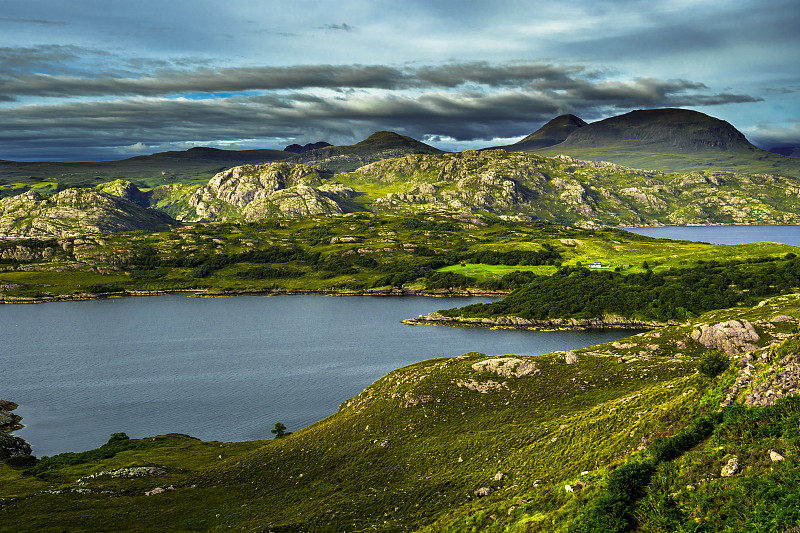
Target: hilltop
{"x":188,"y":166}
{"x":669,"y":140}
{"x":380,"y":145}
{"x":198,"y":165}
{"x":554,"y":132}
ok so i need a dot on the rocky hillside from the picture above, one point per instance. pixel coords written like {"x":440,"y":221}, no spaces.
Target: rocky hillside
{"x":562,"y":189}
{"x":256,"y":192}
{"x":11,"y":446}
{"x":556,"y":189}
{"x":75,"y":212}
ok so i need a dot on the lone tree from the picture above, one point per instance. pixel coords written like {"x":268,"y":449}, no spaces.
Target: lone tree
{"x":714,"y":363}
{"x":279,"y":430}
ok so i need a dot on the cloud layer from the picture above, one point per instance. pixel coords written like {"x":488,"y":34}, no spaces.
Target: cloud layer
{"x":81,"y":83}
{"x":472,"y":101}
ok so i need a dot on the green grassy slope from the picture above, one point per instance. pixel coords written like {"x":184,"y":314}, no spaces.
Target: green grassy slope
{"x":359,"y":251}
{"x":474,"y":443}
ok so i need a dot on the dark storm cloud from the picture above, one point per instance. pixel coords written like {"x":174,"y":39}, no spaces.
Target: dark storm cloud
{"x":576,"y":81}
{"x":464,"y":114}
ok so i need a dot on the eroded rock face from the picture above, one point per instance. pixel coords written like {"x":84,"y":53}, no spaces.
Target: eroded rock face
{"x":11,"y":446}
{"x":256,"y":192}
{"x":506,"y":366}
{"x":732,"y":336}
{"x":75,"y":212}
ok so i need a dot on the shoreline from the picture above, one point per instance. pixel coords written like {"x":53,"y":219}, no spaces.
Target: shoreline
{"x":556,"y":324}
{"x":206,"y":293}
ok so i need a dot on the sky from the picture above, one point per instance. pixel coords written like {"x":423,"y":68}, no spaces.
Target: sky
{"x":89,"y":80}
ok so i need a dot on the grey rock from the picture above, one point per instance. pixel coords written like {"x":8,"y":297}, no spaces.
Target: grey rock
{"x":731,"y":336}
{"x":731,"y":468}
{"x":485,"y":491}
{"x":11,"y":446}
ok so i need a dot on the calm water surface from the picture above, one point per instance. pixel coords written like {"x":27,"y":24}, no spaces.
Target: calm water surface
{"x":229,"y":368}
{"x":725,"y":234}
{"x":220,"y":369}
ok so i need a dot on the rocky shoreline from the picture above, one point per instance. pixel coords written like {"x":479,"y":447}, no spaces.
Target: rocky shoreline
{"x":11,"y":446}
{"x":556,"y":324}
{"x":204,"y":293}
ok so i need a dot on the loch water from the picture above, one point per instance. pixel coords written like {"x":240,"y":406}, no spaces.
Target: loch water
{"x":227,"y":369}
{"x":220,"y":369}
{"x":724,"y":234}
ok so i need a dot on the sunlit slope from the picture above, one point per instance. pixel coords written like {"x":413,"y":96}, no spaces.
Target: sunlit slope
{"x":478,"y":443}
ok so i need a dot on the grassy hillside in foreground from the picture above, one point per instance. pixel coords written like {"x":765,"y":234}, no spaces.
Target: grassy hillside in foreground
{"x":615,"y":435}
{"x":355,"y":252}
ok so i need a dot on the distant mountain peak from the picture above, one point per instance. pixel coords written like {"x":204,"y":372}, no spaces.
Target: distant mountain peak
{"x":552,"y":133}
{"x":668,"y":129}
{"x":299,"y":149}
{"x":379,"y":145}
{"x":391,"y":139}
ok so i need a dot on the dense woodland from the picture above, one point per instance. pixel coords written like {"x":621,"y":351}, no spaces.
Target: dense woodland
{"x":577,"y":292}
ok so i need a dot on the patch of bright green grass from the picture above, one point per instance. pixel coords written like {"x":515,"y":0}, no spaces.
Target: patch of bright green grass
{"x":494,"y":272}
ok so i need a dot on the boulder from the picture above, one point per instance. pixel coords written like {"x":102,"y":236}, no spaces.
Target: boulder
{"x":775,"y":456}
{"x":730,"y":468}
{"x":11,"y":446}
{"x":732,"y":336}
{"x":506,"y":366}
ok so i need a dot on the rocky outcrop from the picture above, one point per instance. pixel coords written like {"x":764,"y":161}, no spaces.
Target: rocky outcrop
{"x":255,"y":192}
{"x":75,"y":212}
{"x":514,"y":322}
{"x":782,"y":379}
{"x":127,"y":190}
{"x":8,"y":420}
{"x":730,"y":468}
{"x":506,"y":366}
{"x":11,"y":446}
{"x":731,"y":336}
